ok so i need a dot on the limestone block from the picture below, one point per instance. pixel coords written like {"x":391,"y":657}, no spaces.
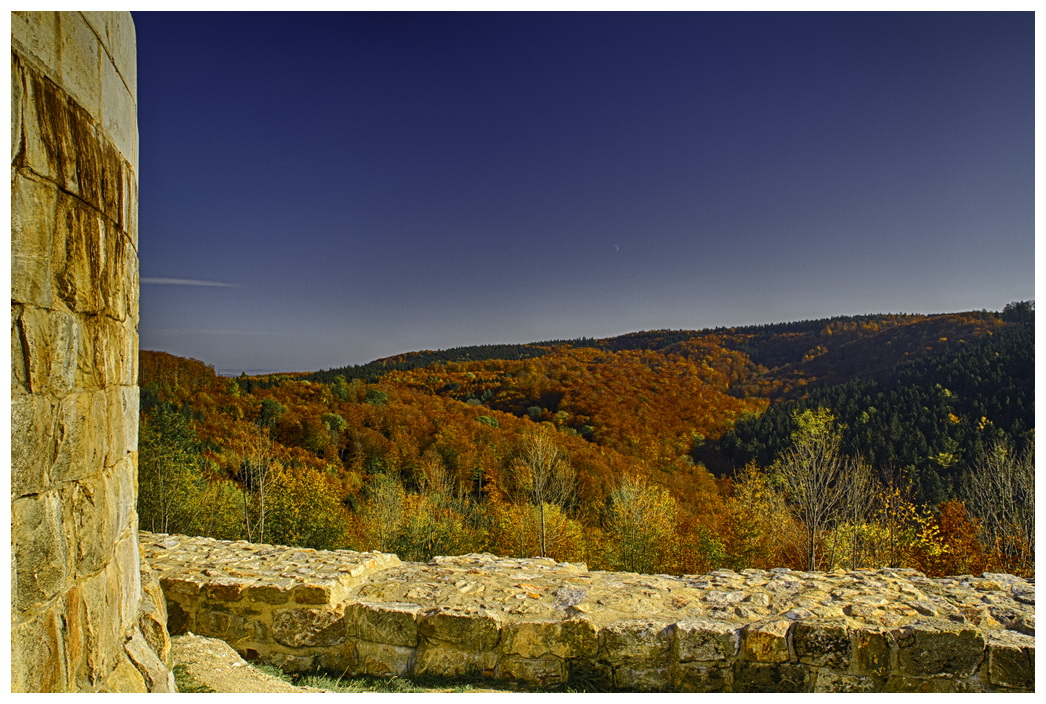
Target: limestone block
{"x":931,"y":647}
{"x":37,"y":34}
{"x":635,"y":640}
{"x":572,"y":638}
{"x":312,"y":593}
{"x":702,"y":677}
{"x":81,"y":433}
{"x":120,"y":35}
{"x":467,"y":628}
{"x":308,"y":627}
{"x":1011,"y":660}
{"x":273,"y":591}
{"x":124,"y":678}
{"x":80,"y":257}
{"x":121,"y":494}
{"x":96,"y":21}
{"x":103,"y":635}
{"x":641,"y":675}
{"x":918,"y":685}
{"x":79,"y":61}
{"x":705,"y":640}
{"x":383,"y":660}
{"x":50,"y":343}
{"x":209,"y":621}
{"x":447,"y":661}
{"x":34,"y":206}
{"x":822,"y":642}
{"x":40,"y":552}
{"x":152,"y":613}
{"x":292,"y":663}
{"x":225,"y":588}
{"x":37,"y":663}
{"x":393,"y":623}
{"x":547,"y":671}
{"x":825,"y":681}
{"x":87,"y":513}
{"x":129,"y":206}
{"x":157,"y":678}
{"x":118,"y":110}
{"x":872,"y":651}
{"x":129,"y":574}
{"x":770,"y":677}
{"x":766,"y":641}
{"x":44,"y":111}
{"x":32,"y":443}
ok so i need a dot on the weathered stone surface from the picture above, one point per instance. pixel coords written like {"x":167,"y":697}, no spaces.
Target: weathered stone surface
{"x":635,"y":640}
{"x":158,"y":677}
{"x":571,"y":638}
{"x":547,"y":671}
{"x":307,"y":627}
{"x":383,"y":660}
{"x":766,"y":641}
{"x":1011,"y":660}
{"x":822,"y":642}
{"x":931,"y":647}
{"x":537,"y":621}
{"x":705,"y":640}
{"x":473,"y":629}
{"x":40,"y":552}
{"x":445,"y":660}
{"x":391,"y":624}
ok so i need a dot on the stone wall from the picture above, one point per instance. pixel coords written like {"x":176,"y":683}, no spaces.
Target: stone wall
{"x":83,"y":617}
{"x":543,"y":624}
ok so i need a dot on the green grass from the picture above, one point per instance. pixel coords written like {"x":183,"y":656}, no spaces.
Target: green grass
{"x":186,"y":683}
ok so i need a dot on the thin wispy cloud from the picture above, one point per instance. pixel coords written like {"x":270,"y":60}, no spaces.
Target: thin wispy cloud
{"x":184,"y":282}
{"x":188,"y":331}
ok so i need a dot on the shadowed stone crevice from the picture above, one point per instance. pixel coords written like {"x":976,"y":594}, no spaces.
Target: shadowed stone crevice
{"x":542,"y":624}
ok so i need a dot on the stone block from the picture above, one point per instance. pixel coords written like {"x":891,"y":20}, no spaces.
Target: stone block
{"x":642,"y":675}
{"x":547,"y":671}
{"x":635,"y":640}
{"x":129,"y":208}
{"x":50,"y":345}
{"x":705,"y":640}
{"x":118,"y":111}
{"x":308,"y":627}
{"x":125,"y":559}
{"x":81,"y":431}
{"x":702,"y":677}
{"x":103,"y":636}
{"x":272,"y":591}
{"x":213,"y":621}
{"x":122,"y":494}
{"x":822,"y":642}
{"x":391,"y":624}
{"x":225,"y":588}
{"x":121,"y":47}
{"x":770,"y":677}
{"x":919,"y":685}
{"x":824,"y":681}
{"x":152,"y":613}
{"x":40,"y":550}
{"x":466,"y":628}
{"x":79,"y":62}
{"x":872,"y":651}
{"x":37,"y":34}
{"x":37,"y":661}
{"x":572,"y":638}
{"x":88,"y":516}
{"x":32,"y":443}
{"x":124,"y":678}
{"x":930,"y":647}
{"x":34,"y":205}
{"x":80,"y":256}
{"x":766,"y":641}
{"x":444,"y":660}
{"x":19,"y":358}
{"x":44,"y":135}
{"x":312,"y":594}
{"x":384,"y":660}
{"x":152,"y":670}
{"x":1011,"y":660}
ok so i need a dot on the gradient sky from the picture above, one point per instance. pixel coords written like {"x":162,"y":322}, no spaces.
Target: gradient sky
{"x":325,"y":189}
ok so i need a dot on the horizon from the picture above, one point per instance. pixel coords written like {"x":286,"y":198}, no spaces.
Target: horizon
{"x":327,"y":189}
{"x":234,"y":372}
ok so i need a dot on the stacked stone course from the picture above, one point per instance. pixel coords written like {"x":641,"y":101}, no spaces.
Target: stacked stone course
{"x":542,"y":624}
{"x":81,"y":611}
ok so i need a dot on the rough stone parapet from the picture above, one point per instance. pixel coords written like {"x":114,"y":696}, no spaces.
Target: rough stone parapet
{"x":542,"y":623}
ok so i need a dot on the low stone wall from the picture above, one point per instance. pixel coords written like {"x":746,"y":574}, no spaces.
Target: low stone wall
{"x":542,"y":623}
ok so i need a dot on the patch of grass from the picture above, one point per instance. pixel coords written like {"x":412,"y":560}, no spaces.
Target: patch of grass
{"x":185,"y":683}
{"x":273,"y":671}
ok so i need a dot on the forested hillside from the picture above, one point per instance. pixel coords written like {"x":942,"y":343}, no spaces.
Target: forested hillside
{"x":667,"y":451}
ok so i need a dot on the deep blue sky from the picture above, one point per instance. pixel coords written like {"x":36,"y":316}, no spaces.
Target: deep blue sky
{"x":374,"y":183}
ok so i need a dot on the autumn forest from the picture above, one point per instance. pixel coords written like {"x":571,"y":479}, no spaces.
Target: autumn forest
{"x":863,"y":441}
